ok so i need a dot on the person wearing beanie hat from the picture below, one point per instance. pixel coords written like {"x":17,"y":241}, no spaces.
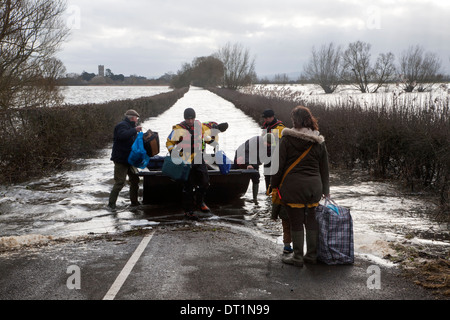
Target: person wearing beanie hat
{"x":125,"y":133}
{"x":187,"y":141}
{"x":271,"y":123}
{"x":189,"y":113}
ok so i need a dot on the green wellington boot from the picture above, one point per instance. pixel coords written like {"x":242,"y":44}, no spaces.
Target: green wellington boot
{"x":312,"y":239}
{"x":297,"y":258}
{"x":255,"y":189}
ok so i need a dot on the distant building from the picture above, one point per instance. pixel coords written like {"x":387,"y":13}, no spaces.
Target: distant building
{"x":101,"y":71}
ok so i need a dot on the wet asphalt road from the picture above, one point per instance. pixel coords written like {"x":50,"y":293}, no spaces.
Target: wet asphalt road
{"x":197,"y":261}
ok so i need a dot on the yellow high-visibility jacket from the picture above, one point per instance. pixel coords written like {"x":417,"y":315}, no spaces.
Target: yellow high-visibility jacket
{"x":186,"y":138}
{"x":276,"y":126}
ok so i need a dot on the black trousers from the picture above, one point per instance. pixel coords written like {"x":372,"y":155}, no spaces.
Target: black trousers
{"x":299,"y":217}
{"x":195,"y":187}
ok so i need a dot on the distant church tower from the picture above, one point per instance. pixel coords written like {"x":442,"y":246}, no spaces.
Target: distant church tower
{"x":101,"y":71}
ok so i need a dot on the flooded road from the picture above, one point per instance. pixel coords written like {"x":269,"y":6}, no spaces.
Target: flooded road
{"x":73,"y":203}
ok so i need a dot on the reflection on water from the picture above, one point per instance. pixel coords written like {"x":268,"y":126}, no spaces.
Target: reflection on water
{"x":74,"y":203}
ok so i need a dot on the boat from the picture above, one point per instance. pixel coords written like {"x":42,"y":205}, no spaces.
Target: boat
{"x":159,"y":188}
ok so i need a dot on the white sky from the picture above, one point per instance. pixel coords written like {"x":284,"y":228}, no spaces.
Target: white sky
{"x":152,"y":37}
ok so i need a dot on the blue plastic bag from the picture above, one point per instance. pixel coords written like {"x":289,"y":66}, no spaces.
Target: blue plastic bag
{"x":333,"y":207}
{"x":223,"y":162}
{"x":138,"y":156}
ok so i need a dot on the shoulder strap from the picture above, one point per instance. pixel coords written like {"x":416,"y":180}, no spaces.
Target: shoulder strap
{"x":294,"y":164}
{"x":276,"y":123}
{"x":210,"y":124}
{"x":270,"y":127}
{"x":184,"y":125}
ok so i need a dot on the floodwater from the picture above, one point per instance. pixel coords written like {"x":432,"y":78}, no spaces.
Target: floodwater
{"x":100,"y":94}
{"x":73,"y":203}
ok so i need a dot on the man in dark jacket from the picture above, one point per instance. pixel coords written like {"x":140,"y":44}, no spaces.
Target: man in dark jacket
{"x":250,"y":155}
{"x":125,"y":133}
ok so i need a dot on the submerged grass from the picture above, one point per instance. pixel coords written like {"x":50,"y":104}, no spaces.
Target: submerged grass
{"x":429,"y":270}
{"x":37,"y":141}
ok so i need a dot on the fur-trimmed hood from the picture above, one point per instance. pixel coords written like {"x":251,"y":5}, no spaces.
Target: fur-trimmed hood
{"x":304,"y":134}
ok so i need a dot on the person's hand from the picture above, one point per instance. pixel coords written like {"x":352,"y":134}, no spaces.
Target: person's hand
{"x":250,"y":167}
{"x":138,"y":129}
{"x":222,"y":127}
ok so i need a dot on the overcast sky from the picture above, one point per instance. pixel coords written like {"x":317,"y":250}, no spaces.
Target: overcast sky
{"x":152,"y":37}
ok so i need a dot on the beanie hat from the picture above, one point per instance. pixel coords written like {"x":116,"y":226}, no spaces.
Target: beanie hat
{"x":189,"y":113}
{"x":268,"y":113}
{"x":132,"y":112}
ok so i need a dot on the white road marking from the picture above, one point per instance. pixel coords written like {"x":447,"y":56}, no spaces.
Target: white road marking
{"x":111,"y":294}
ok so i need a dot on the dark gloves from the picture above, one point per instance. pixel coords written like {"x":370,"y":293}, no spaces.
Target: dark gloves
{"x":222,"y":126}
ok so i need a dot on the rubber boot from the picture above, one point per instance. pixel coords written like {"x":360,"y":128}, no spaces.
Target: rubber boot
{"x":200,"y":200}
{"x":255,"y":189}
{"x":113,"y":198}
{"x":297,"y":258}
{"x":312,"y":239}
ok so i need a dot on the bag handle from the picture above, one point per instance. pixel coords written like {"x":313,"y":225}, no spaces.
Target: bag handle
{"x":294,"y":164}
{"x":329,"y":200}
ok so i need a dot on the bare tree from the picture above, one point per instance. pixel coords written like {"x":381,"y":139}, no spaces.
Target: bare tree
{"x":357,"y":65}
{"x":359,"y":70}
{"x":384,"y":70}
{"x":325,"y":68}
{"x":239,"y":67}
{"x":419,"y":69}
{"x":31,"y":32}
{"x":281,"y":78}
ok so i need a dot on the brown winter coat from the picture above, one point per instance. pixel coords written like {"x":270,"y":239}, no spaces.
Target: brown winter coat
{"x":308,"y":180}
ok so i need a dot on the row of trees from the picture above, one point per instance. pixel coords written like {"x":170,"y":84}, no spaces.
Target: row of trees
{"x":86,"y":76}
{"x":331,"y":66}
{"x":32,"y":31}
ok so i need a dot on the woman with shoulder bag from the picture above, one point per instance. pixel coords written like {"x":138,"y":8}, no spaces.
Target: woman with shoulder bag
{"x":304,"y":156}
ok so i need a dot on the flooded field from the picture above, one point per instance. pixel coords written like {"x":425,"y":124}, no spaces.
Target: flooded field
{"x":73,"y":203}
{"x":100,"y":94}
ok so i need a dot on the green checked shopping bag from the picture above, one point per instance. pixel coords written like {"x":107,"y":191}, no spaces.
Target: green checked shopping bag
{"x":335,"y":234}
